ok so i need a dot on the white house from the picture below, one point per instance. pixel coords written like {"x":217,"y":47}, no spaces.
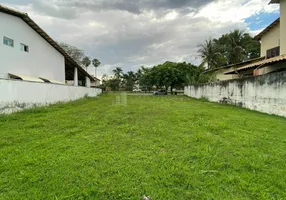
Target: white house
{"x":29,"y":55}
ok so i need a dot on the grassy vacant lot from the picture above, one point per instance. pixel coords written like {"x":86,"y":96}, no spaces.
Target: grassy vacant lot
{"x":163,"y":147}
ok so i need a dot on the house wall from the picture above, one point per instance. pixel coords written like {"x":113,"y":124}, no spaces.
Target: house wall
{"x":270,"y":40}
{"x":283,"y":27}
{"x":43,"y":60}
{"x":219,"y":75}
{"x":265,"y":93}
{"x":17,"y":95}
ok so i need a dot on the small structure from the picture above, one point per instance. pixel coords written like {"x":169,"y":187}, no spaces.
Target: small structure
{"x":273,"y":48}
{"x":220,"y":74}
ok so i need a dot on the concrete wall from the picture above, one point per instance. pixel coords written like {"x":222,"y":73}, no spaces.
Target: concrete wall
{"x":265,"y":93}
{"x":270,"y":40}
{"x":283,"y":27}
{"x":43,"y":60}
{"x":17,"y":95}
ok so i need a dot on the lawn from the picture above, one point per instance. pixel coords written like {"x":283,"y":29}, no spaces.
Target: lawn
{"x":163,"y":147}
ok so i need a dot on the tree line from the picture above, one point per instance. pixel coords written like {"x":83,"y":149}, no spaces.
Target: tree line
{"x":167,"y":75}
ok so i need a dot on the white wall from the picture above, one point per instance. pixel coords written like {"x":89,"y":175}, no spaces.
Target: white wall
{"x":270,"y":40}
{"x":283,"y":27}
{"x":17,"y":95}
{"x":265,"y":93}
{"x":43,"y":60}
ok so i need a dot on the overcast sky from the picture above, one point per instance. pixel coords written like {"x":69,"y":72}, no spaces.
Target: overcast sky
{"x":131,"y":33}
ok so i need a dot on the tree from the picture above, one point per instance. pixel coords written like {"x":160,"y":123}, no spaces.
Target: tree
{"x":86,"y":62}
{"x":130,"y":79}
{"x":210,"y":53}
{"x":117,"y":72}
{"x":172,"y":75}
{"x":74,"y":52}
{"x":145,"y":78}
{"x":114,"y":84}
{"x":96,"y":63}
{"x":237,"y":46}
{"x":190,"y":74}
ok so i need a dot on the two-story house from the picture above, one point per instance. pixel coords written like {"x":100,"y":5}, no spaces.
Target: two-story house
{"x":273,"y":48}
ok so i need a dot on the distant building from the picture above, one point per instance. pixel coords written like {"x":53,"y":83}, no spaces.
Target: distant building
{"x":219,"y":74}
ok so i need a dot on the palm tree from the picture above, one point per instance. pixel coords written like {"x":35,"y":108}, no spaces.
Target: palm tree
{"x":117,"y":72}
{"x":96,"y":63}
{"x":237,"y":44}
{"x":210,"y":54}
{"x":129,"y":80}
{"x":86,"y":62}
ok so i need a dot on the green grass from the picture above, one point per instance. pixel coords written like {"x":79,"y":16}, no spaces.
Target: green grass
{"x":163,"y":147}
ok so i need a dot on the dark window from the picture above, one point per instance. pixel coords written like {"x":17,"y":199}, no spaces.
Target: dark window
{"x":8,"y":42}
{"x":24,"y":48}
{"x":273,"y":52}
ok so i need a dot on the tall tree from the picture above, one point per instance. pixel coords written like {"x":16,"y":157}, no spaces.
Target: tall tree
{"x":117,"y":72}
{"x":86,"y":62}
{"x":145,"y":78}
{"x":74,"y":52}
{"x":210,"y":54}
{"x":238,"y":46}
{"x":96,"y":63}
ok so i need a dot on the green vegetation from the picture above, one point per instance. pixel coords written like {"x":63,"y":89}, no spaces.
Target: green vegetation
{"x":167,"y":75}
{"x":163,"y":147}
{"x":79,"y":56}
{"x":234,"y":47}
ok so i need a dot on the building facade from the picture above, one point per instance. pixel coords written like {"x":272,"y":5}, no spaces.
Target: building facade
{"x":34,"y":69}
{"x":270,"y":40}
{"x":23,"y":51}
{"x":282,"y":27}
{"x":29,"y":53}
{"x":273,"y":48}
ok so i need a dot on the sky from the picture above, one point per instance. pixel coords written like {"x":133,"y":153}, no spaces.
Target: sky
{"x":132,"y":33}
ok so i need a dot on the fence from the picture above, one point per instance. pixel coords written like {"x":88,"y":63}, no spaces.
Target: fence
{"x":16,"y":95}
{"x":265,"y":93}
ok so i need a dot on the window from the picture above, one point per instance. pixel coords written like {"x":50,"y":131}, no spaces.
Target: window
{"x":24,"y":48}
{"x":8,"y":42}
{"x":273,"y":52}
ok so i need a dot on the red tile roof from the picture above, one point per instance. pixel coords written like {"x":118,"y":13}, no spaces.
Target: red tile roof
{"x":259,"y":63}
{"x":274,"y":1}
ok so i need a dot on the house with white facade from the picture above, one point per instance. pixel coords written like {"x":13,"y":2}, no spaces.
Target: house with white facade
{"x":34,"y":69}
{"x":273,"y":48}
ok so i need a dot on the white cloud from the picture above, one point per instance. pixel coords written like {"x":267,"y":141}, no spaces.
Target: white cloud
{"x":235,"y":11}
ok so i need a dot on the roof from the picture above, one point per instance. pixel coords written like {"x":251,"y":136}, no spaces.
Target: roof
{"x":26,"y":78}
{"x":41,"y":32}
{"x":274,"y":1}
{"x":235,"y":65}
{"x":267,"y":29}
{"x":259,"y":63}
